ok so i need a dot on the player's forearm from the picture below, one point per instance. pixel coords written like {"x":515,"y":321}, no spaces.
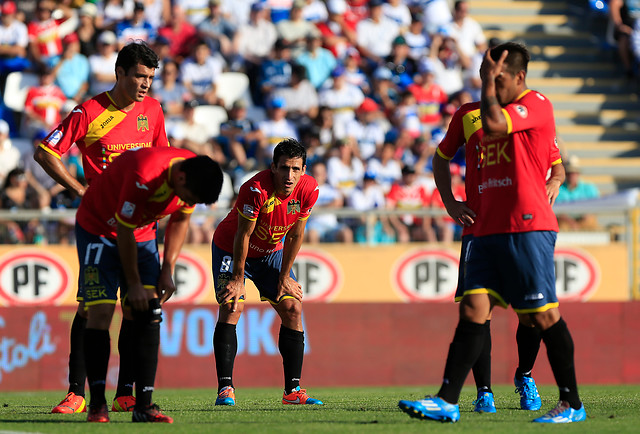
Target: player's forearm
{"x":442,"y":177}
{"x":174,"y":237}
{"x":493,"y":119}
{"x":292,"y":245}
{"x":240,"y":253}
{"x":128,"y":251}
{"x":56,"y":170}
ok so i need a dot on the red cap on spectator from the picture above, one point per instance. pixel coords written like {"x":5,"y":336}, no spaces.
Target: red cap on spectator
{"x":8,"y":8}
{"x":71,"y":37}
{"x":368,"y":105}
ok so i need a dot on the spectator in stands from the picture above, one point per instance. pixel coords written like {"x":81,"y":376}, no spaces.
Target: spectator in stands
{"x":252,"y":43}
{"x":367,"y":128}
{"x":324,"y":124}
{"x":73,"y":70}
{"x":399,"y":12}
{"x":87,"y":29}
{"x":295,"y":29}
{"x":199,"y":73}
{"x":170,"y":92}
{"x":343,"y":98}
{"x":318,"y":61}
{"x":314,"y":11}
{"x":46,"y":187}
{"x":417,"y":39}
{"x":14,"y":40}
{"x":326,"y":227}
{"x":337,"y":35}
{"x":43,"y":103}
{"x":624,"y":15}
{"x":240,"y":139}
{"x":436,"y":15}
{"x":401,"y":65}
{"x":572,"y":190}
{"x":448,"y":63}
{"x":384,"y":90}
{"x":429,"y":95}
{"x":113,"y":12}
{"x":17,"y":194}
{"x":179,"y":33}
{"x":345,"y":170}
{"x":353,"y":74}
{"x":300,"y":97}
{"x":466,"y":31}
{"x":218,"y":31}
{"x":275,"y":129}
{"x":275,"y":71}
{"x":103,"y":64}
{"x":410,"y":195}
{"x":45,"y":37}
{"x":196,"y":11}
{"x":385,"y":167}
{"x":368,"y":197}
{"x":9,"y":154}
{"x":375,"y":34}
{"x":195,"y":134}
{"x":137,"y":28}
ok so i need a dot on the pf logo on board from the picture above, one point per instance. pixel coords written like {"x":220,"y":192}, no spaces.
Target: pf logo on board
{"x":426,"y":275}
{"x":30,"y":277}
{"x":577,"y":274}
{"x":319,"y":274}
{"x":192,"y":278}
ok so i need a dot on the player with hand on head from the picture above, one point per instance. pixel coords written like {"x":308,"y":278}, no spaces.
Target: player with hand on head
{"x":137,"y":189}
{"x":510,"y":257}
{"x":260,"y":239}
{"x":102,"y":128}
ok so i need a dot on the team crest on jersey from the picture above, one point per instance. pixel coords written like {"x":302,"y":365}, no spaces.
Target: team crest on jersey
{"x":127,"y":209}
{"x":270,"y":205}
{"x":522,"y":111}
{"x":91,"y":276}
{"x":143,"y":123}
{"x":293,"y":207}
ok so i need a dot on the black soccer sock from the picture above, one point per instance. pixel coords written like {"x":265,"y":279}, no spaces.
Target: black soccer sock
{"x":126,"y":348}
{"x":225,"y":347}
{"x":528,"y":340}
{"x":560,"y":352}
{"x":146,"y":344}
{"x":482,"y":367}
{"x":97,"y":349}
{"x":464,"y":350}
{"x":77,"y":371}
{"x":291,"y":345}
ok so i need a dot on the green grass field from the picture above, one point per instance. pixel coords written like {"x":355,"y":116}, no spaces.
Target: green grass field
{"x":346,"y":410}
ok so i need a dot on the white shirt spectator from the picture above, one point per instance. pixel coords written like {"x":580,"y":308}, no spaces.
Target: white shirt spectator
{"x":368,"y":136}
{"x":469,"y":35}
{"x":276,"y":131}
{"x":102,"y":65}
{"x":196,"y":11}
{"x":377,"y":37}
{"x":398,"y":12}
{"x":256,"y":39}
{"x":343,"y":101}
{"x":315,"y":11}
{"x":201,"y":76}
{"x":345,"y":177}
{"x":436,"y":15}
{"x":15,"y":34}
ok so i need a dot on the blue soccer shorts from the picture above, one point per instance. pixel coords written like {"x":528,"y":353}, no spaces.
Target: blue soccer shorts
{"x":263,"y":271}
{"x":101,"y":271}
{"x":517,"y":269}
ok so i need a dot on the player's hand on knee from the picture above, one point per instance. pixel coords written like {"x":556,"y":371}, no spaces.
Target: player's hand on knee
{"x":138,"y":297}
{"x":289,"y":286}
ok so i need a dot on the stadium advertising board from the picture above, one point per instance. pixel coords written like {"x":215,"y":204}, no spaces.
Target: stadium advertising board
{"x":328,"y":273}
{"x":346,"y":344}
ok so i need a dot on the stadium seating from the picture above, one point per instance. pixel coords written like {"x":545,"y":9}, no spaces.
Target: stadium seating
{"x":232,"y":86}
{"x":210,"y":116}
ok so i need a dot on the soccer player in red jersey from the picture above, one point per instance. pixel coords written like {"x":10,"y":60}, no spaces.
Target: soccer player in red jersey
{"x":136,"y":190}
{"x":510,"y":258}
{"x":466,"y":130}
{"x":104,"y":127}
{"x":259,"y":239}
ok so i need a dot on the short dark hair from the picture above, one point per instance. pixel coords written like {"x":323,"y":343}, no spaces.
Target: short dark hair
{"x":518,"y":58}
{"x":203,"y":178}
{"x":289,"y":148}
{"x":134,"y":53}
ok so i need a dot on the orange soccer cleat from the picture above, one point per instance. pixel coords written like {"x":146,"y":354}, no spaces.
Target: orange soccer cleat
{"x":123,"y":403}
{"x":71,"y":403}
{"x":299,"y":396}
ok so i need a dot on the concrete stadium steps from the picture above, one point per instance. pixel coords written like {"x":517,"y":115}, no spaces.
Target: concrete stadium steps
{"x":597,"y":112}
{"x":602,"y":149}
{"x":608,"y":118}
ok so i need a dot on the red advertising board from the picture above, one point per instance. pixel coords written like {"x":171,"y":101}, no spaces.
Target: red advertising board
{"x":346,"y":344}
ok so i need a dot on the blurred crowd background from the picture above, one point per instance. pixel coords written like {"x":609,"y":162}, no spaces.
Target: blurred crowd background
{"x":368,"y":86}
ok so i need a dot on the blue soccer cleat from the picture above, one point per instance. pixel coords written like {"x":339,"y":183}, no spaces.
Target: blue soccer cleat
{"x":484,"y":403}
{"x":431,"y":407}
{"x":529,"y":396}
{"x":226,"y":396}
{"x":563,"y":413}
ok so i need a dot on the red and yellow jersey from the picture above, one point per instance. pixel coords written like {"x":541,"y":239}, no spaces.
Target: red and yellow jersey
{"x":135,"y":191}
{"x":274,"y":215}
{"x":508,"y":173}
{"x":102,"y":131}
